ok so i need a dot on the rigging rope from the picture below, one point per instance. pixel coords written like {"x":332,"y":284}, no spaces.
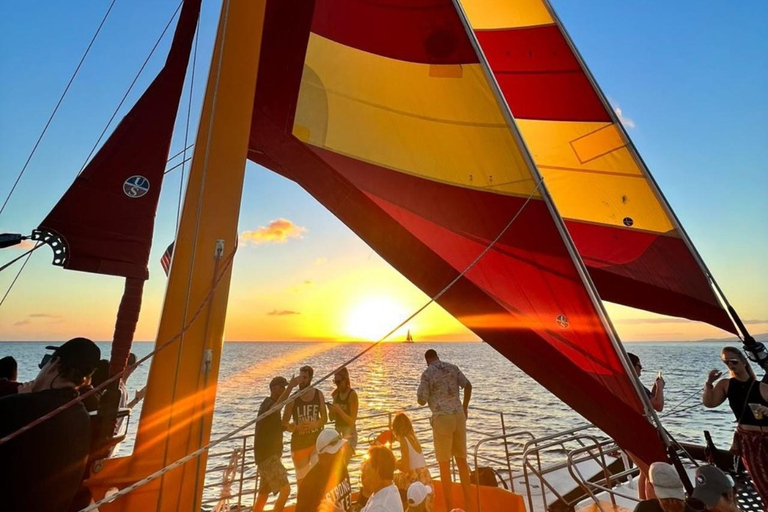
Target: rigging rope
{"x":58,"y":104}
{"x":132,"y":367}
{"x":130,"y":87}
{"x":182,"y":174}
{"x":179,"y":153}
{"x":14,"y":260}
{"x":29,"y":255}
{"x":184,"y":159}
{"x":278,"y":406}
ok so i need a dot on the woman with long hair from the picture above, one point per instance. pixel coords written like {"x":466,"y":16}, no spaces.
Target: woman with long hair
{"x":343,"y":409}
{"x":748,"y":399}
{"x":412,"y":466}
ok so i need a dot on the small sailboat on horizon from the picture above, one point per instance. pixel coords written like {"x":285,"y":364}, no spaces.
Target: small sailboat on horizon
{"x":409,"y":338}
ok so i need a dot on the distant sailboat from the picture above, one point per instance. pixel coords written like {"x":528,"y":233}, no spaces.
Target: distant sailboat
{"x":408,"y":337}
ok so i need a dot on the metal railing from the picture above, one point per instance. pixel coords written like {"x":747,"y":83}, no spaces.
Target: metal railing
{"x":235,"y":485}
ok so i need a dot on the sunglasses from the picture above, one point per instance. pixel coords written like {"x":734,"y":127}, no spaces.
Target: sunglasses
{"x":45,"y":360}
{"x":338,"y":381}
{"x":731,"y":361}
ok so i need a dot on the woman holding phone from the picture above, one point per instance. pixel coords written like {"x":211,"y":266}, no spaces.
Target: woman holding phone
{"x":748,"y":399}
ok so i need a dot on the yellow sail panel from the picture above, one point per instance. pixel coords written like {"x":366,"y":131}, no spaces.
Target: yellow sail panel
{"x":383,"y":114}
{"x":492,"y":14}
{"x":592,"y":175}
{"x":619,"y":223}
{"x":447,"y":126}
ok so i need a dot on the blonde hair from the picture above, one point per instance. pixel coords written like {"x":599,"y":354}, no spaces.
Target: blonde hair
{"x":739,"y":354}
{"x":402,"y":427}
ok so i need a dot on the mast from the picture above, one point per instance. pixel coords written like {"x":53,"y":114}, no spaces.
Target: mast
{"x":178,"y":409}
{"x":654,"y":185}
{"x":558,"y":220}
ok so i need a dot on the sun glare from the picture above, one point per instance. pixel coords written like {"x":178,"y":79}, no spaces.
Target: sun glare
{"x":374,"y":317}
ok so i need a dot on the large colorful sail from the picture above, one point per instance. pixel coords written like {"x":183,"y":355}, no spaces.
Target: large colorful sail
{"x":402,"y":138}
{"x":104,"y":222}
{"x":620,"y":224}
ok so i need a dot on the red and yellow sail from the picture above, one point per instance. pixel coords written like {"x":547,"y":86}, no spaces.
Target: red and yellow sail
{"x":619,"y":222}
{"x":383,"y":112}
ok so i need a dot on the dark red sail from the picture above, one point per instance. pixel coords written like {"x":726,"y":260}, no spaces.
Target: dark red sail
{"x":103,"y":224}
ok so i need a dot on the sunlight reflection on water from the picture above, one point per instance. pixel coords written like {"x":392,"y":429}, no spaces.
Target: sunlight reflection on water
{"x":387,"y":377}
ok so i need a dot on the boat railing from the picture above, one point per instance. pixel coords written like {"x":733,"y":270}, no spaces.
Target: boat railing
{"x":232,"y":480}
{"x":580,"y":444}
{"x":606,"y":484}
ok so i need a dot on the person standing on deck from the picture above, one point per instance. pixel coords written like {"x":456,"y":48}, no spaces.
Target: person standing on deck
{"x":748,"y":399}
{"x":47,"y":462}
{"x":344,"y":409}
{"x":268,"y":447}
{"x":656,"y":397}
{"x":309,"y":416}
{"x":439,"y":388}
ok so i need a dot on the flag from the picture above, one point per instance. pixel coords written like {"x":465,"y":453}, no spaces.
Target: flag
{"x":165,"y":261}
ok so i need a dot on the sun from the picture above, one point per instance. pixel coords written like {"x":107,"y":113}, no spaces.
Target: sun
{"x":373,"y":317}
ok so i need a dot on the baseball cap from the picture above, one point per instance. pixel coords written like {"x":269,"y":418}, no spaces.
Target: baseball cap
{"x":711,"y":485}
{"x":666,"y":482}
{"x":278,"y":381}
{"x":329,"y":441}
{"x":417,"y":493}
{"x":78,"y":353}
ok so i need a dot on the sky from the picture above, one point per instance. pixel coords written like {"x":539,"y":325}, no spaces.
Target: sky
{"x":689,"y":80}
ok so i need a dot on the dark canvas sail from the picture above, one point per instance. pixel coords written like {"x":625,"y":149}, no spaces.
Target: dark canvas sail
{"x":104,"y":222}
{"x":402,"y":139}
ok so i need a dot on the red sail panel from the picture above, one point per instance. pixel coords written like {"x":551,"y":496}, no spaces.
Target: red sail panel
{"x":106,"y":218}
{"x":417,"y":160}
{"x":634,"y":253}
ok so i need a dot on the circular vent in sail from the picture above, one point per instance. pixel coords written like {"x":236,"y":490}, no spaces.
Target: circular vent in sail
{"x":136,"y":186}
{"x":628,"y":221}
{"x":562,"y":321}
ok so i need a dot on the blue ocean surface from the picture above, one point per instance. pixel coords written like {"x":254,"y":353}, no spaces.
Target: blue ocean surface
{"x":386,"y":379}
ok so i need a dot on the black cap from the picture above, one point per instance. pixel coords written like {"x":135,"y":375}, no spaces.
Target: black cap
{"x":78,"y":353}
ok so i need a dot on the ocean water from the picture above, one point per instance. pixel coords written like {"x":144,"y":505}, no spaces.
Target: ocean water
{"x":386,"y":379}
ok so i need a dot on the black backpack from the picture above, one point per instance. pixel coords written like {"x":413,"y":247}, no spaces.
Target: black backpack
{"x":487,"y":476}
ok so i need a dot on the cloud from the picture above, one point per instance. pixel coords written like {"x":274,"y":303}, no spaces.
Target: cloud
{"x":282,"y":312}
{"x":25,"y":245}
{"x":627,"y":122}
{"x":278,"y":231}
{"x":40,"y":318}
{"x":646,"y":321}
